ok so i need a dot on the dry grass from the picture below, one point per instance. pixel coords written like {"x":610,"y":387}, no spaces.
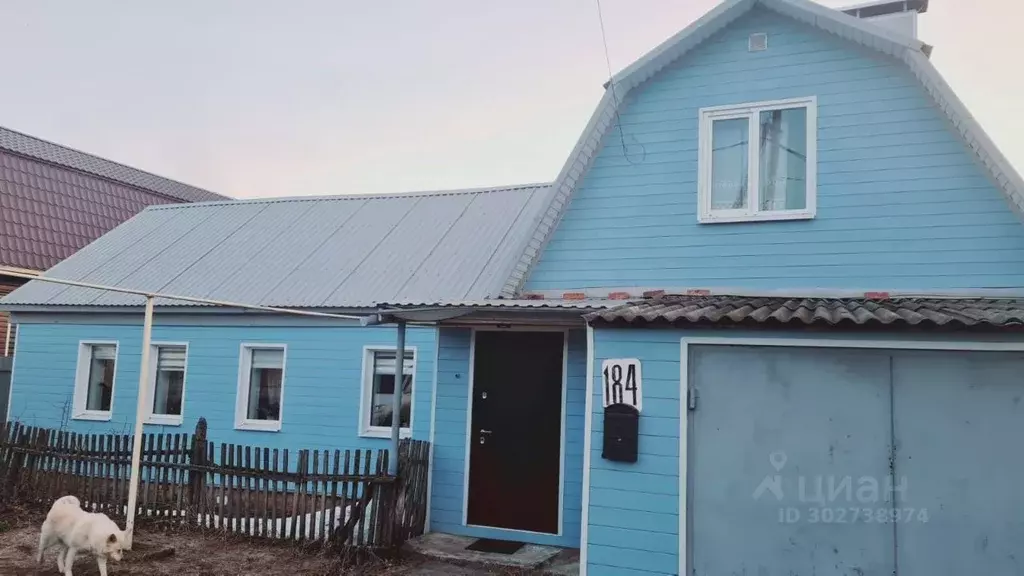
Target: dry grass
{"x":202,"y":553}
{"x":195,"y":554}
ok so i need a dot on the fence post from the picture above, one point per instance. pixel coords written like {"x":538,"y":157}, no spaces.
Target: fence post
{"x":197,"y":458}
{"x":16,"y":460}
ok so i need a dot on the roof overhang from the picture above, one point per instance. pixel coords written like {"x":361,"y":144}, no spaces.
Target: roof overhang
{"x":512,"y":312}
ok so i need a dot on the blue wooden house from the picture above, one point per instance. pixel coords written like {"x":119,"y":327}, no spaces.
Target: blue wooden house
{"x":767,"y":319}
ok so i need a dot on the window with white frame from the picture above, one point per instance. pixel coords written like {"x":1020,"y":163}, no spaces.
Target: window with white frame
{"x":260,"y":387}
{"x":758,"y":161}
{"x":167,"y":383}
{"x":380,"y":387}
{"x":94,"y":380}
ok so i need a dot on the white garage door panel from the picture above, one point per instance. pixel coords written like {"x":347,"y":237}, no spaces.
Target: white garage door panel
{"x":824,"y":413}
{"x":959,"y":423}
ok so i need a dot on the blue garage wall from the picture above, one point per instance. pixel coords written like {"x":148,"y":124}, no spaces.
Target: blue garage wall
{"x":448,"y":487}
{"x":901,"y":202}
{"x":322,"y":380}
{"x":633,"y":524}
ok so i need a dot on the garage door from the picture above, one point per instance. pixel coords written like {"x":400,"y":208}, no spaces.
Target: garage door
{"x":795,"y":454}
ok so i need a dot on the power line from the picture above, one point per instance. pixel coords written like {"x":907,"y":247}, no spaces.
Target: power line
{"x":615,"y":95}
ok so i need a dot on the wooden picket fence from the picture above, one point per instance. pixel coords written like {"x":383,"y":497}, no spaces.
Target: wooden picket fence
{"x":342,"y":497}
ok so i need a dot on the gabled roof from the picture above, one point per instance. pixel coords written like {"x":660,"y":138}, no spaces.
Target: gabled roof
{"x":310,"y":252}
{"x":910,"y":51}
{"x":55,"y":200}
{"x":47,"y":151}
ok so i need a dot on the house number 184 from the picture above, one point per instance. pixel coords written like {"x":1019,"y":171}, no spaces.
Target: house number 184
{"x":622,"y":382}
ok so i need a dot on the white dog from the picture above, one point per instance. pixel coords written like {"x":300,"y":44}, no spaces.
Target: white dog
{"x":76,"y":530}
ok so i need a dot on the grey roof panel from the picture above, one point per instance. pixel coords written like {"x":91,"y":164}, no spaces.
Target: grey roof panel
{"x":117,"y":268}
{"x":467,"y":248}
{"x":739,"y":310}
{"x":307,"y":252}
{"x":46,"y":151}
{"x":509,"y":251}
{"x":421,"y":232}
{"x":279,"y":259}
{"x":351,"y":241}
{"x":197,"y":240}
{"x":98,"y":253}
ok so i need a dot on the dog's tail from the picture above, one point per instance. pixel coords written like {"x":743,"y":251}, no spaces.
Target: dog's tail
{"x":66,"y":501}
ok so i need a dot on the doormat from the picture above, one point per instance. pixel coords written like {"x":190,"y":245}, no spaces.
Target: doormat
{"x":495,"y":546}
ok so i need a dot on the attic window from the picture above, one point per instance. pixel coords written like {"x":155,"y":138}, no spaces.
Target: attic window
{"x":757,"y":42}
{"x":774,"y":180}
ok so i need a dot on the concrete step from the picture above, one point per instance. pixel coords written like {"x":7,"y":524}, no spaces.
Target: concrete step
{"x":531,"y":559}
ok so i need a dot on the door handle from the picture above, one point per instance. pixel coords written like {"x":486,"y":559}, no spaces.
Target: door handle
{"x":482,"y":431}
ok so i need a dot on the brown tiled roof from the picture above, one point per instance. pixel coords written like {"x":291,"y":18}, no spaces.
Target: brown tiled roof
{"x":54,"y":200}
{"x":826,"y":311}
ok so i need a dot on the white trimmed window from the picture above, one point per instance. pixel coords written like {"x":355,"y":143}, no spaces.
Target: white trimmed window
{"x":94,"y":380}
{"x":758,"y":161}
{"x":167,"y":383}
{"x":260,"y":387}
{"x":379,"y":389}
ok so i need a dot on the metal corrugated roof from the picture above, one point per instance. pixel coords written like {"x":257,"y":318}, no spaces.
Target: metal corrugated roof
{"x":346,"y":251}
{"x":993,"y":312}
{"x":910,"y":51}
{"x":47,"y":151}
{"x":55,"y":200}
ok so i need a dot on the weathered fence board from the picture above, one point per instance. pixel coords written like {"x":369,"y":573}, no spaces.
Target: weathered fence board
{"x":344,"y":497}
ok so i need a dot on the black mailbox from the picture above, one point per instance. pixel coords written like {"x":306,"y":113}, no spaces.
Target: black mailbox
{"x":621,"y":433}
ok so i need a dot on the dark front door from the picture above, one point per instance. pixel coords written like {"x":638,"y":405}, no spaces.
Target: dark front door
{"x":515,"y":438}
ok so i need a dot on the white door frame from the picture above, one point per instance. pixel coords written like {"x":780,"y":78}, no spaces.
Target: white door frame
{"x":469,"y":424}
{"x":806,"y":342}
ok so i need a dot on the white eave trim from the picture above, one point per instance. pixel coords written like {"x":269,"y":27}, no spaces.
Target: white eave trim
{"x":909,"y":50}
{"x":1004,"y":176}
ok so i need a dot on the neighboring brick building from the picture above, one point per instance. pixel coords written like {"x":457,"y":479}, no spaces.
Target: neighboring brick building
{"x":54,"y":200}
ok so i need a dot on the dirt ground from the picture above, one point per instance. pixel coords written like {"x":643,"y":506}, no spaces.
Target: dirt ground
{"x":198,"y":554}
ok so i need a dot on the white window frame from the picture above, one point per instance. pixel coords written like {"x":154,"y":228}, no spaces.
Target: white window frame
{"x":751,"y":111}
{"x":81,"y":395}
{"x":366,"y":394}
{"x":154,"y":356}
{"x":242,"y":394}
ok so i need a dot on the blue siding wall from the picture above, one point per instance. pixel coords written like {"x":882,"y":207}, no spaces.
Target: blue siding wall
{"x":448,"y":487}
{"x":901,"y":202}
{"x":634,"y":508}
{"x":323,"y":374}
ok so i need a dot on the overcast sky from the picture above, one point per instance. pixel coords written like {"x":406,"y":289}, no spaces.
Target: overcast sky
{"x":258,"y":98}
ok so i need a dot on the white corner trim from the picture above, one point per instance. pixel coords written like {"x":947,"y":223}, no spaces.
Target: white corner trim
{"x":684,"y":445}
{"x":433,"y":427}
{"x":365,"y":396}
{"x":812,"y":341}
{"x":242,"y":392}
{"x":562,"y":188}
{"x":81,"y":392}
{"x":10,"y":387}
{"x":469,"y":427}
{"x":750,"y":111}
{"x":1001,"y":172}
{"x":164,"y":419}
{"x":588,"y":426}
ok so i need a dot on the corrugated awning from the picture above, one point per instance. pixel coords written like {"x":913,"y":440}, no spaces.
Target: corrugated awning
{"x":963,"y":312}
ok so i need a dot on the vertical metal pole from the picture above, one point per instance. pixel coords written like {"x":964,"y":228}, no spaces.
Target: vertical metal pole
{"x":396,"y":402}
{"x":140,"y":416}
{"x":7,"y":341}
